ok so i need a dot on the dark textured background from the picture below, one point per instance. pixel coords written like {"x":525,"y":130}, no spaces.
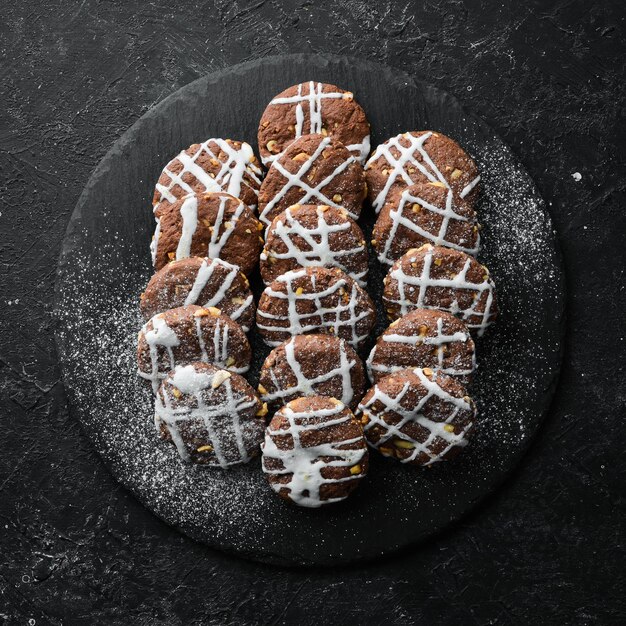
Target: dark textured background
{"x":548,"y":548}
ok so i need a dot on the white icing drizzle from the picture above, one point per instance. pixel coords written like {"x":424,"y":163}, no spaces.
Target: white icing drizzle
{"x":413,"y":414}
{"x":217,"y":242}
{"x":466,"y":190}
{"x":163,"y":336}
{"x":312,"y":100}
{"x":305,"y":464}
{"x":154,"y":244}
{"x":218,"y":409}
{"x":229,"y":178}
{"x":331,"y":317}
{"x":407,"y":156}
{"x":308,"y":386}
{"x":312,"y":195}
{"x":204,"y":275}
{"x":319,"y":252}
{"x":459,"y":281}
{"x":189,"y":213}
{"x":448,"y":213}
{"x":440,"y":340}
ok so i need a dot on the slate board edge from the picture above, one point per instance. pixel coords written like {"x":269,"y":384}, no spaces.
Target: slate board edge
{"x":395,"y":76}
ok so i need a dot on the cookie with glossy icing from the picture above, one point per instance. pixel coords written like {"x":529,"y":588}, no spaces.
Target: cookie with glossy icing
{"x":313,"y":108}
{"x":417,"y":416}
{"x":420,"y":157}
{"x":434,"y":277}
{"x":211,"y":166}
{"x":187,"y":334}
{"x":205,"y":282}
{"x":212,"y":416}
{"x":310,"y":235}
{"x":215,"y":225}
{"x":424,"y":338}
{"x":311,"y":365}
{"x":313,"y":170}
{"x":424,"y":213}
{"x":315,"y":300}
{"x":314,"y":452}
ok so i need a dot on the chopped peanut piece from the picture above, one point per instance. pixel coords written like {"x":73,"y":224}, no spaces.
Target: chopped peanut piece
{"x":219,"y":377}
{"x":405,"y":445}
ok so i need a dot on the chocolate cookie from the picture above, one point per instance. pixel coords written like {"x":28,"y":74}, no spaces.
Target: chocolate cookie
{"x":212,"y":224}
{"x":212,"y":416}
{"x":432,"y":277}
{"x":212,"y":166}
{"x":308,"y":235}
{"x":206,"y":282}
{"x":312,"y":365}
{"x":420,"y":157}
{"x":313,"y":108}
{"x":424,"y":213}
{"x":424,"y":338}
{"x":314,"y":451}
{"x":315,"y":300}
{"x":417,"y":416}
{"x":313,"y":170}
{"x":187,"y":334}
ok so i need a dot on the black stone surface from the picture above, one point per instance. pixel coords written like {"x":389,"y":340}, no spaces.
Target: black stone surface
{"x":548,"y":548}
{"x":105,"y":264}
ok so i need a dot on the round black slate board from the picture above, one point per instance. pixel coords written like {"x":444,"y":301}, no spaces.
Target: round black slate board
{"x":105,"y":264}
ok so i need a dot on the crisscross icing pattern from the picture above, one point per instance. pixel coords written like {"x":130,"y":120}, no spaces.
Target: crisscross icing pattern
{"x":311,"y":195}
{"x":439,"y":342}
{"x":229,"y":178}
{"x":318,"y":239}
{"x":218,"y":408}
{"x":398,"y":218}
{"x":308,"y":386}
{"x":407,"y":156}
{"x":336,"y":308}
{"x":436,"y":430}
{"x":303,"y":464}
{"x":310,"y":96}
{"x":459,"y":282}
